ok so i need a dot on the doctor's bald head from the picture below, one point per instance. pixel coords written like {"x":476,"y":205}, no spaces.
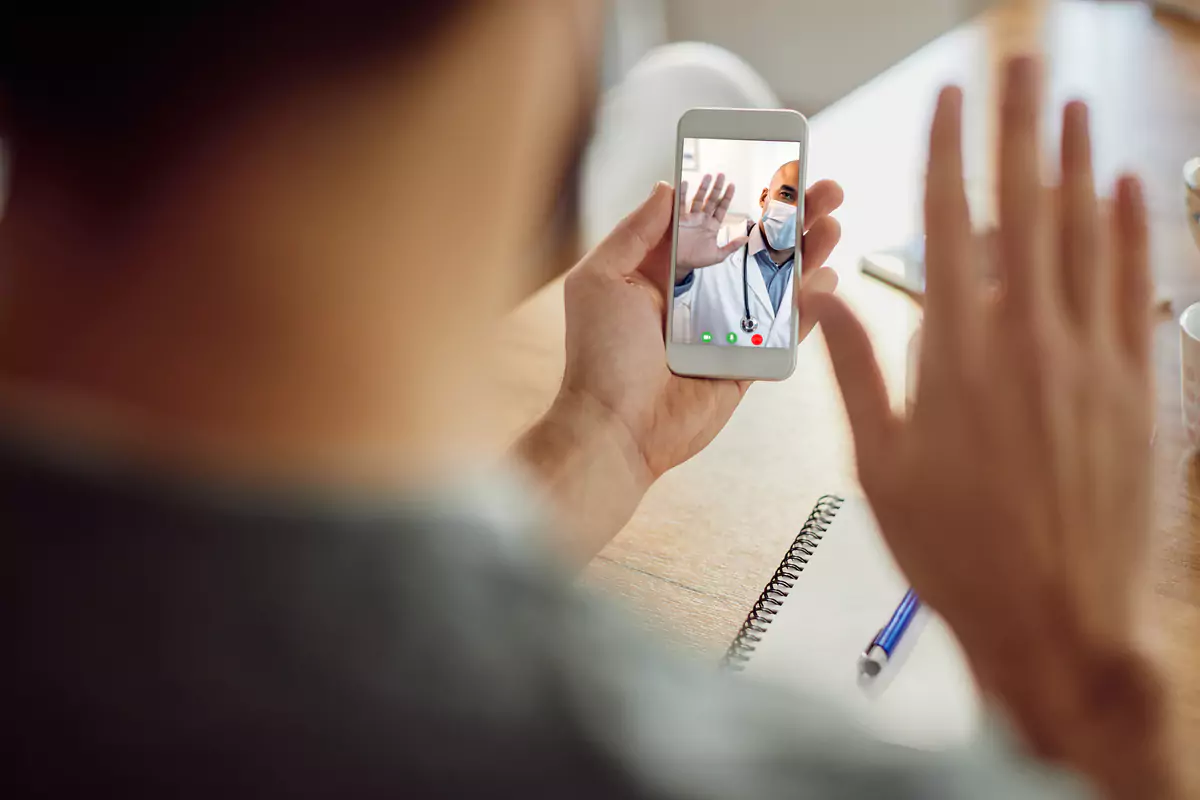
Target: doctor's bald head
{"x":785,"y":186}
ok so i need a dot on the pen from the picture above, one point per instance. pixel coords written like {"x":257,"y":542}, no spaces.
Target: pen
{"x":884,"y":645}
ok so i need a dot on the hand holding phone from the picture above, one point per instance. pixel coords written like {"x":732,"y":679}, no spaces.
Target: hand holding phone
{"x":735,"y":274}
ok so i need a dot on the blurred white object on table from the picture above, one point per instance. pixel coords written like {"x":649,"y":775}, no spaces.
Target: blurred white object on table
{"x":634,"y":145}
{"x":1189,"y":357}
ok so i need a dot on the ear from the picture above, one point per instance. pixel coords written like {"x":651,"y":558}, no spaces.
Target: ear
{"x":762,"y":199}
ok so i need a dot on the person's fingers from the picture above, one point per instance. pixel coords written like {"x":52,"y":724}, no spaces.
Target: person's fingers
{"x":1022,"y":219}
{"x":951,"y":291}
{"x":623,"y":250}
{"x":987,"y":254}
{"x":1133,"y":280}
{"x":701,"y":194}
{"x":1085,"y":277}
{"x":681,"y":197}
{"x":857,"y":372}
{"x":723,"y":206}
{"x":821,"y":200}
{"x":819,"y":243}
{"x":821,"y":281}
{"x":714,"y":197}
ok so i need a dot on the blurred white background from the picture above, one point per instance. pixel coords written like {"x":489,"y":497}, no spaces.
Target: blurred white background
{"x":811,"y":52}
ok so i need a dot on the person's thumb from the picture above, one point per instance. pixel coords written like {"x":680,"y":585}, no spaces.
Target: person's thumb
{"x":857,"y":371}
{"x":623,"y":250}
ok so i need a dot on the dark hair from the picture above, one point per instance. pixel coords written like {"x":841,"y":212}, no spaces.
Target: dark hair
{"x":122,"y":80}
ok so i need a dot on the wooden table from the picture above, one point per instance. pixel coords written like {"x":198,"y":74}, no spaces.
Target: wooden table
{"x":710,"y":533}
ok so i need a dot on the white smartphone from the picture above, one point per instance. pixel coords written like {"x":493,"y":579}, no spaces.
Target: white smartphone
{"x":735,"y":254}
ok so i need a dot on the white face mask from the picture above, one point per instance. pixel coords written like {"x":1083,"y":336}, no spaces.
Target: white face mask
{"x":779,"y":225}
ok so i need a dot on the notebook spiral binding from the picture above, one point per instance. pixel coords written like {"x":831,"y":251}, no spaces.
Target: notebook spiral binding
{"x":767,"y":606}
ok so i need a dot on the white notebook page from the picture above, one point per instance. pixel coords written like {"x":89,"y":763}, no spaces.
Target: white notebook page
{"x":926,"y":697}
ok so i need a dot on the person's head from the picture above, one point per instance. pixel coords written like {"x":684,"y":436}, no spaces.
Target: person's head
{"x":785,"y":186}
{"x":778,"y":203}
{"x":264,"y":186}
{"x":390,"y":110}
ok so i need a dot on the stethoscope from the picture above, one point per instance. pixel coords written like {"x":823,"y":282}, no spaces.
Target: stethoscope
{"x":749,"y":323}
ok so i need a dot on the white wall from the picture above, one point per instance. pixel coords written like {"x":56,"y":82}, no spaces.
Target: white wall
{"x":813,"y":52}
{"x":748,"y":165}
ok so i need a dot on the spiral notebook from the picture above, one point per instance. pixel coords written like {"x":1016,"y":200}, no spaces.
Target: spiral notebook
{"x":836,"y":586}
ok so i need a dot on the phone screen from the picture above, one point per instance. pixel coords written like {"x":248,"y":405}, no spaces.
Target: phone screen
{"x":740,"y":203}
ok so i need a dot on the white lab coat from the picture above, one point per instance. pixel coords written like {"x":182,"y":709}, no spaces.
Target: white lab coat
{"x":714,"y":302}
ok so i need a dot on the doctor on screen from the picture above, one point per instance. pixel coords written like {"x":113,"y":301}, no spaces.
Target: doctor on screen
{"x":736,"y":291}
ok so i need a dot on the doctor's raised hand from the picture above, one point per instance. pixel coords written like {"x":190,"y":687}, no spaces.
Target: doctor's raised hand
{"x":621,"y":418}
{"x":699,"y":224}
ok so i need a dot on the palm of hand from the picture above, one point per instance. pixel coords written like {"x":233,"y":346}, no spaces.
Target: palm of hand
{"x":1037,"y":479}
{"x":615,"y":302}
{"x":697,"y":245}
{"x":1003,"y":516}
{"x":614,"y":327}
{"x":1016,"y":497}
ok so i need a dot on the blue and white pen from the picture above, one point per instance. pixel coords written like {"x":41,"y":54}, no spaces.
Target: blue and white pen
{"x":884,"y":645}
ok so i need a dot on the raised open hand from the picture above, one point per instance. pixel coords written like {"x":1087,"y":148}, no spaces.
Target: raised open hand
{"x":699,"y":224}
{"x":1016,"y":497}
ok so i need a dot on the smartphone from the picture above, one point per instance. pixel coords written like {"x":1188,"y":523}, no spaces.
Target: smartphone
{"x":735,"y":264}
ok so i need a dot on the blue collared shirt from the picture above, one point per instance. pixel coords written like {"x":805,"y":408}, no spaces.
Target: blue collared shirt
{"x":775,"y":276}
